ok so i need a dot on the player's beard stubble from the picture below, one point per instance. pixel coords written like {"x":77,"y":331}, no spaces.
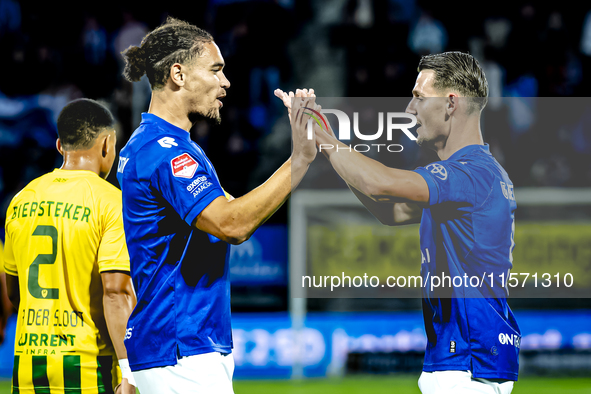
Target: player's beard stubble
{"x":211,"y":116}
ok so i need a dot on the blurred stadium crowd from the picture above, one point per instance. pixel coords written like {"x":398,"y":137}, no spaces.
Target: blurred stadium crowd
{"x":342,"y":48}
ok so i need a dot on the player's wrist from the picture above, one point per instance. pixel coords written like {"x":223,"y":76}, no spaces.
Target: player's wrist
{"x":126,"y":371}
{"x":299,"y":161}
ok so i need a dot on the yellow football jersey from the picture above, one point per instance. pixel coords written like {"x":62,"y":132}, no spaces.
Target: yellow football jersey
{"x":62,"y":230}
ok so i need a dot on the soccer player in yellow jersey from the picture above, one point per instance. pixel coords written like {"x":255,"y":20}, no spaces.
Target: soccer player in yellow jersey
{"x":67,"y":265}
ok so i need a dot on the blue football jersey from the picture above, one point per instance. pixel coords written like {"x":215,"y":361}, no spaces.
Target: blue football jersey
{"x":180,"y":273}
{"x":466,"y":242}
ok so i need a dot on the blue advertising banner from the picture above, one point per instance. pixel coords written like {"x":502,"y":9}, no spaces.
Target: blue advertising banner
{"x":262,"y":260}
{"x":265,"y":345}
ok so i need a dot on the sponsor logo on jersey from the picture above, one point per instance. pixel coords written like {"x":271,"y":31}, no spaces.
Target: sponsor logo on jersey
{"x":198,"y":185}
{"x":438,"y":170}
{"x":167,"y":142}
{"x":510,"y":339}
{"x":122,"y":163}
{"x":183,"y":166}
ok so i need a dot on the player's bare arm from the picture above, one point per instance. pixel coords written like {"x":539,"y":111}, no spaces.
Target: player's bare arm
{"x":118,"y":303}
{"x":5,"y":307}
{"x":389,"y":213}
{"x":372,"y":178}
{"x":235,"y":220}
{"x":12,"y":288}
{"x":389,"y":209}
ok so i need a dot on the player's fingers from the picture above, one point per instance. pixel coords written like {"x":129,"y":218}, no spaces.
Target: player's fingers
{"x":279,"y":93}
{"x":297,"y":117}
{"x":309,"y":104}
{"x":305,"y":115}
{"x":284,"y":98}
{"x":297,"y":104}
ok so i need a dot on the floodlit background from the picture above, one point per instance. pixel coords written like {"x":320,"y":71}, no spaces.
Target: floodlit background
{"x":341,"y":48}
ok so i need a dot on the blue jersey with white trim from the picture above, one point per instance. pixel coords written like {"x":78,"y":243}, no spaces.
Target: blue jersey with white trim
{"x":180,"y":273}
{"x":466,"y":244}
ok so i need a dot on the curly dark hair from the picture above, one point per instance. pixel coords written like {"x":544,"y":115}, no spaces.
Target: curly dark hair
{"x":81,"y":121}
{"x":175,"y":41}
{"x":460,"y":72}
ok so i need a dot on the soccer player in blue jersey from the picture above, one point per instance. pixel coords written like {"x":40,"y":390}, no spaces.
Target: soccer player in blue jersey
{"x":465,"y":204}
{"x":178,"y":220}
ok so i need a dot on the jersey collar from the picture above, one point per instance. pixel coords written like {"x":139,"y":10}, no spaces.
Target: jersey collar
{"x":469,"y":149}
{"x":74,"y":172}
{"x":164,"y":126}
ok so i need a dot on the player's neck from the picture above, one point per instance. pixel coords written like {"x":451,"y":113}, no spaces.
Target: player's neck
{"x":81,"y":160}
{"x":460,"y":136}
{"x":167,"y":106}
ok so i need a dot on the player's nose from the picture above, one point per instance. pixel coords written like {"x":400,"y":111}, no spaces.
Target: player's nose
{"x":410,"y":108}
{"x":224,"y":82}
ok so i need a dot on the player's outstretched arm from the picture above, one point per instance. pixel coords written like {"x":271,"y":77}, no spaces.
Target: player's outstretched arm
{"x":234,"y":221}
{"x":118,"y":303}
{"x":370,"y":177}
{"x":387,"y":212}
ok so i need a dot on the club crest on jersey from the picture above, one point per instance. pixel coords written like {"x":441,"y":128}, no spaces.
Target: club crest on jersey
{"x":44,"y":293}
{"x":183,"y":166}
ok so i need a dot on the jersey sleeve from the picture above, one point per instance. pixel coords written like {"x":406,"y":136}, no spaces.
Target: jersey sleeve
{"x":448,"y":181}
{"x":7,"y":259}
{"x":188,"y":183}
{"x":112,"y":253}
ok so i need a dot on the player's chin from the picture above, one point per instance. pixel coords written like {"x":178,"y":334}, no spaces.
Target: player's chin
{"x":214,"y":116}
{"x":211,"y":116}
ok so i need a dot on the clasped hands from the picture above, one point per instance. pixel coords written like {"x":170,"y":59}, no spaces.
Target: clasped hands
{"x":301,"y":107}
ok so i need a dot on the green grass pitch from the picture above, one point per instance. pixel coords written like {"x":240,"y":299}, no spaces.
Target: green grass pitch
{"x":385,"y":384}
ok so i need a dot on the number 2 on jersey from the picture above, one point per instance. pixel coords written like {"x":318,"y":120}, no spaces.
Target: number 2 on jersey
{"x":33,"y":280}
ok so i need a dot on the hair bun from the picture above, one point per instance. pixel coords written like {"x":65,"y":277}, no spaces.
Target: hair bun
{"x":135,"y":63}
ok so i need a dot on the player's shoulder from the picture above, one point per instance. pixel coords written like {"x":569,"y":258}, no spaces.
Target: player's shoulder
{"x":102,"y":192}
{"x":102,"y":186}
{"x":479,"y":161}
{"x":157,"y":145}
{"x":169,"y":151}
{"x":33,"y":187}
{"x":485,"y":163}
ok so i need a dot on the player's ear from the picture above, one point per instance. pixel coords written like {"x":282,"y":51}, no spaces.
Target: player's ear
{"x":105,"y":146}
{"x":452,"y":103}
{"x":58,"y":145}
{"x":177,"y":75}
